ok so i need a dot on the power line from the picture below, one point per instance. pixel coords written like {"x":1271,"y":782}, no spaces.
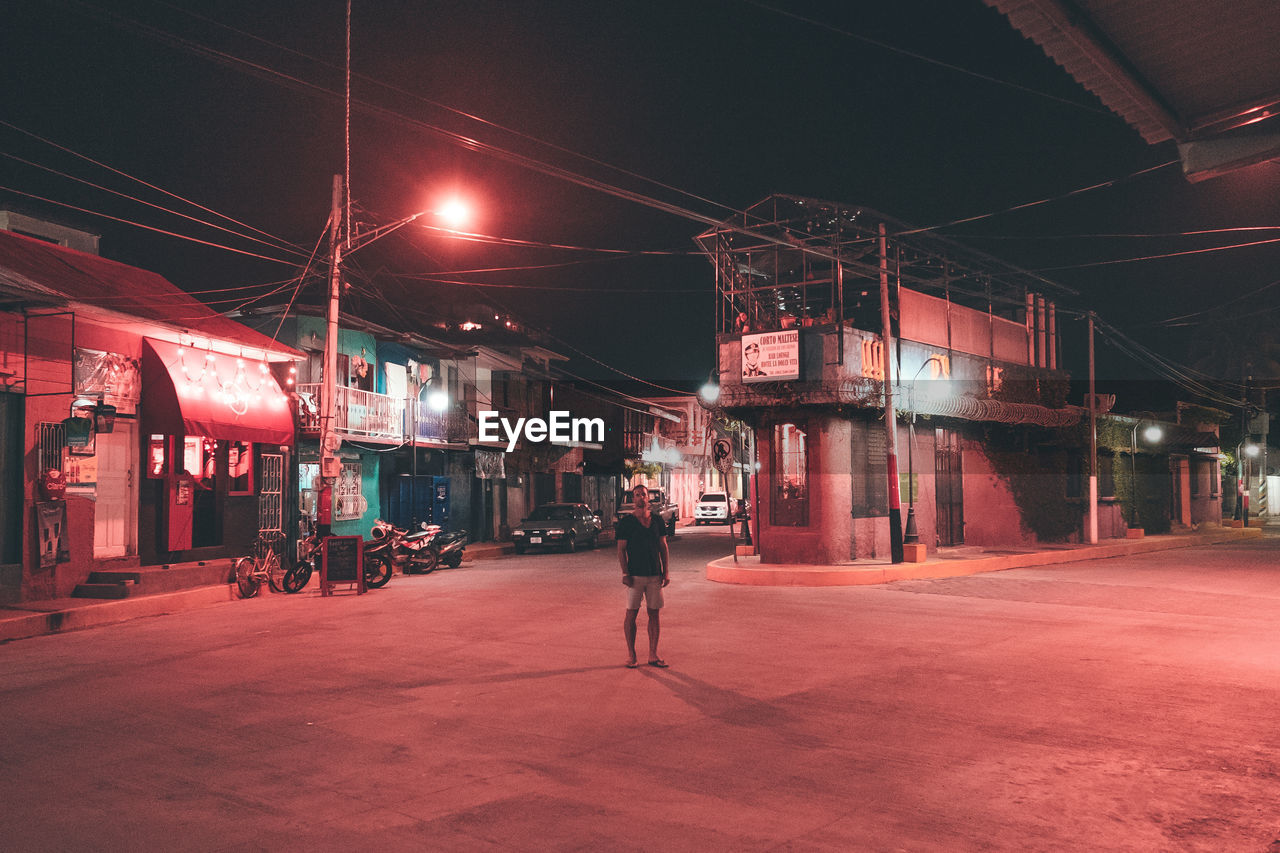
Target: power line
{"x":930,"y":60}
{"x":461,"y":113}
{"x":1181,"y":254}
{"x":49,"y":142}
{"x":141,"y":225}
{"x":142,"y":201}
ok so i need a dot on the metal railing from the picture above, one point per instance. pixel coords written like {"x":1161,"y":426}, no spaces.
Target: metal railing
{"x":368,"y":415}
{"x":426,"y":424}
{"x":356,"y":412}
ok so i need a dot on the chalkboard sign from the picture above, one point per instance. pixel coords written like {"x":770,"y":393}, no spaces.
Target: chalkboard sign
{"x":342,"y":561}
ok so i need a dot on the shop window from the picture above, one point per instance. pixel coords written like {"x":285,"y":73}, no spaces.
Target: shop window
{"x":791,"y":476}
{"x":309,"y":485}
{"x":240,"y":468}
{"x":199,"y":459}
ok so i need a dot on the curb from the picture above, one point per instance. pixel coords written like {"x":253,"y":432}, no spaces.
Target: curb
{"x":749,"y":571}
{"x":108,"y":612}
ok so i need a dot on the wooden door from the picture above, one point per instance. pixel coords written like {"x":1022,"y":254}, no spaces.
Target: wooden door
{"x":115,"y":519}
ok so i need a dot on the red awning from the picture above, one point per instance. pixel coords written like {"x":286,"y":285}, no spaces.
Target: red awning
{"x":190,"y":391}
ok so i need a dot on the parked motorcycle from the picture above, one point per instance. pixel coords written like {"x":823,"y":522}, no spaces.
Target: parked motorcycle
{"x":420,"y":552}
{"x":377,"y":564}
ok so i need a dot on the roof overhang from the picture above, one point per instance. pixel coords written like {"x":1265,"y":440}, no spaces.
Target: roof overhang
{"x":1204,"y":75}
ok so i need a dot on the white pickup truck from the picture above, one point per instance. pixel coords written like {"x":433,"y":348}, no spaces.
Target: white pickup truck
{"x":659,"y":505}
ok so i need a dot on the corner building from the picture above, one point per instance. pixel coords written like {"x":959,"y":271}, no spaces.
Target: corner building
{"x":972,"y":356}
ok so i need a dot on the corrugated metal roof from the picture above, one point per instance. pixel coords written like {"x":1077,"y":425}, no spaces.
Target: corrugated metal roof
{"x":51,"y":273}
{"x":1173,"y":69}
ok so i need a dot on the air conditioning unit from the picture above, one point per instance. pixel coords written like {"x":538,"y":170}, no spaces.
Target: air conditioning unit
{"x":1100,"y":403}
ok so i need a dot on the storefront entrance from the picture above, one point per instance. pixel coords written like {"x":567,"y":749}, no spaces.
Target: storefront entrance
{"x":115,"y":525}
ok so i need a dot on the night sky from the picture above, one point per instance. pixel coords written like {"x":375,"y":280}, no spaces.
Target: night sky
{"x":717,"y":103}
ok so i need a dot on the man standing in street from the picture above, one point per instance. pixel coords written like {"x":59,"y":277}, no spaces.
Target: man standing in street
{"x":643,"y":555}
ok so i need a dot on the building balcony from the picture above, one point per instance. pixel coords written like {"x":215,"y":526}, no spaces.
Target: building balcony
{"x":358,"y":414}
{"x":428,"y":426}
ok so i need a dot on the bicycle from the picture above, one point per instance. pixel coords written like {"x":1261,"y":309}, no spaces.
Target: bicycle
{"x":263,"y":565}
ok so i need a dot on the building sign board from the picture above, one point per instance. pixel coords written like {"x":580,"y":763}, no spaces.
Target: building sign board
{"x":771,"y":356}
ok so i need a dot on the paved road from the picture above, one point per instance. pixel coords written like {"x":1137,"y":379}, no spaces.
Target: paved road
{"x":1109,"y":705}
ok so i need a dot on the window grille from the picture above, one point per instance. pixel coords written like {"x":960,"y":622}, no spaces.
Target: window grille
{"x":51,"y":438}
{"x":271,"y":494}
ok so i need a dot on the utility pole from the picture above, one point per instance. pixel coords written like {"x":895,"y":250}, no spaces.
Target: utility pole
{"x":329,"y":469}
{"x":890,"y":416}
{"x":1093,"y":442}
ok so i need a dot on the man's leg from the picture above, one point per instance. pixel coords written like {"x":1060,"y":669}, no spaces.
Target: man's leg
{"x":629,"y":630}
{"x":654,"y":627}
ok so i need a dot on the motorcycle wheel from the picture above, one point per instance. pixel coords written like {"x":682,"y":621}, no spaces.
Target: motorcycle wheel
{"x":454,"y":560}
{"x":377,"y":571}
{"x":426,"y":562}
{"x":247,"y":585}
{"x":297,"y":577}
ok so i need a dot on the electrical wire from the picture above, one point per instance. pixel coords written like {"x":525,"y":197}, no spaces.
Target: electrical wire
{"x":461,"y":113}
{"x":283,"y":243}
{"x":1168,"y":234}
{"x":143,"y":226}
{"x":524,"y":161}
{"x":1181,"y":254}
{"x":930,"y":60}
{"x":142,"y":201}
{"x":1175,"y":321}
{"x":472,"y":237}
{"x":1098,"y":186}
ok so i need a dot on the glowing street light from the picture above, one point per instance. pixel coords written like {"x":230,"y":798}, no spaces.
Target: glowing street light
{"x":454,"y":213}
{"x":1153,"y":433}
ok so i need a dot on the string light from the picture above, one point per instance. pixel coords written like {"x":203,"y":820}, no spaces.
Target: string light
{"x":238,"y":392}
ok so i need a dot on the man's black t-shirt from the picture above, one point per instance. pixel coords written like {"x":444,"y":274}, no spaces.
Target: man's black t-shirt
{"x":642,"y":544}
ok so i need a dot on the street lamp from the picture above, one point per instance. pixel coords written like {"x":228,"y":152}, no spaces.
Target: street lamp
{"x":910,"y":536}
{"x":1245,"y":451}
{"x":1153,"y":433}
{"x":709,"y":393}
{"x":454,"y":213}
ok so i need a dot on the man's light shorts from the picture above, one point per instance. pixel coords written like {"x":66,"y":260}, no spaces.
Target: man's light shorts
{"x":648,"y":587}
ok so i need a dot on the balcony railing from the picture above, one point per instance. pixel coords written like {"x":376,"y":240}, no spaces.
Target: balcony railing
{"x":426,"y":424}
{"x":363,"y":414}
{"x":358,"y":413}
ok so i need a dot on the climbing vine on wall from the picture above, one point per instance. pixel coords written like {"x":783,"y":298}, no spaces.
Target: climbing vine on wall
{"x":1037,"y":478}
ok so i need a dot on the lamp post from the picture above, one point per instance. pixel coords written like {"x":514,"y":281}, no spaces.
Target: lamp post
{"x":454,"y":213}
{"x":910,"y":536}
{"x":1245,"y":451}
{"x":1152,"y":434}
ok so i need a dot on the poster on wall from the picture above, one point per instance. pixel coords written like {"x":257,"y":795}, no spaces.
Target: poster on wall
{"x":771,"y":356}
{"x":109,"y":376}
{"x":51,"y":527}
{"x":81,"y":473}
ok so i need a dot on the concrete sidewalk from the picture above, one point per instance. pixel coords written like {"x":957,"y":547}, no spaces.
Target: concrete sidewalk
{"x":51,"y":616}
{"x":956,"y":562}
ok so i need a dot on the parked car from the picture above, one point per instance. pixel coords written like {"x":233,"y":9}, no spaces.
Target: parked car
{"x":712,"y":506}
{"x":658,"y":504}
{"x":560,"y":525}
